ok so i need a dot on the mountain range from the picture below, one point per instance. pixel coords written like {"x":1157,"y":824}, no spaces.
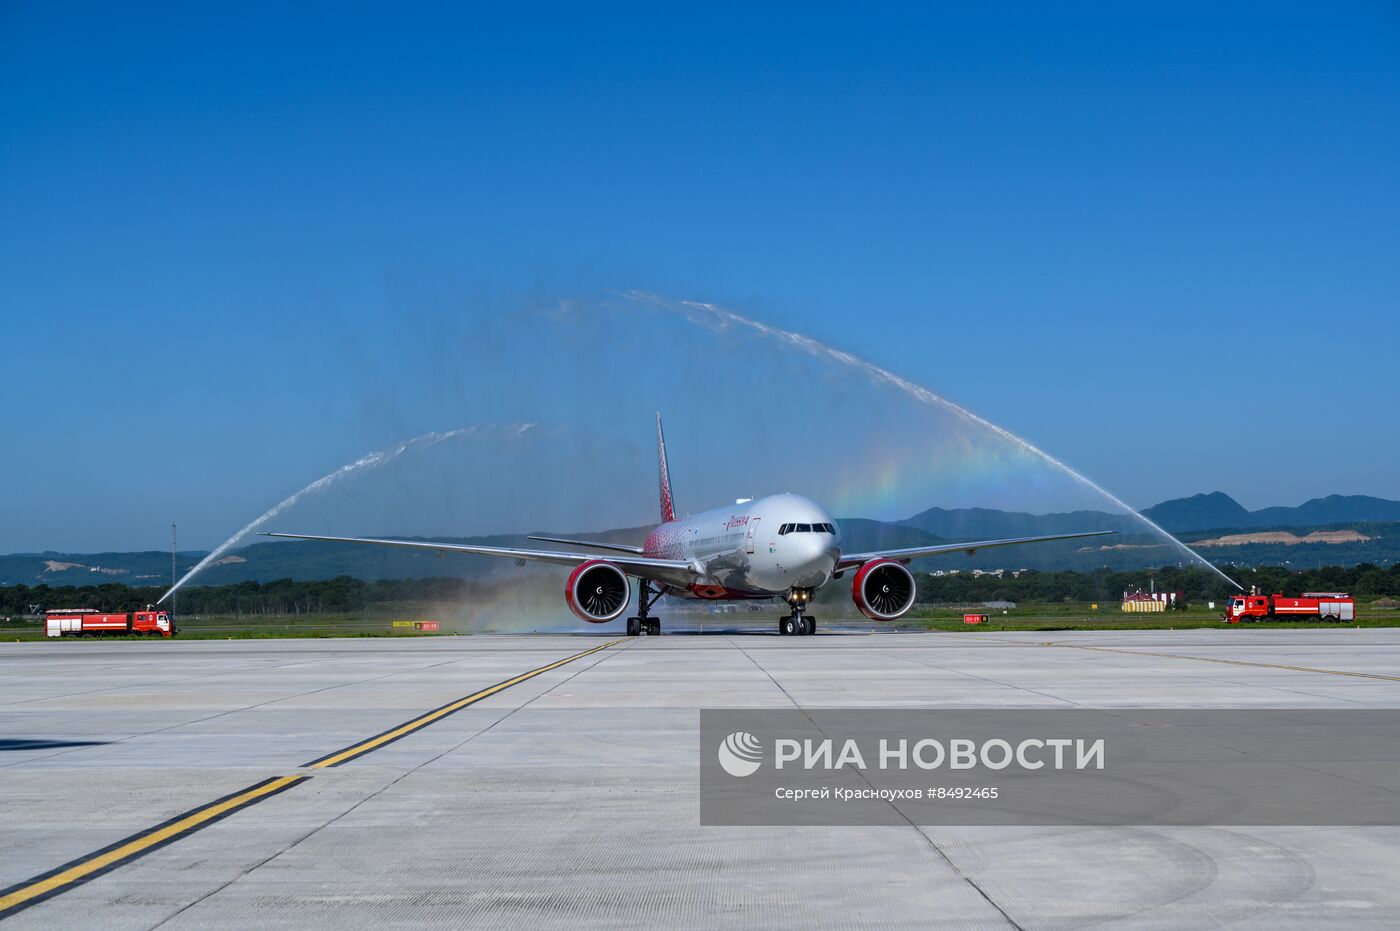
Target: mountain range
{"x":1218,"y":511}
{"x":1214,"y":511}
{"x":1225,"y":531}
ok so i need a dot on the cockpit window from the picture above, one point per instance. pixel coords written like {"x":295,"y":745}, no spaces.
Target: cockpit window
{"x":786,"y":529}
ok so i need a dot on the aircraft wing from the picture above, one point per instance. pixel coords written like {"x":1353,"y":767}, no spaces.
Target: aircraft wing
{"x":850,"y":561}
{"x":616,"y":547}
{"x":642,"y":566}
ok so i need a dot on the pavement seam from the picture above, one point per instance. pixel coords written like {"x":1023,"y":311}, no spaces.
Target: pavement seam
{"x":378,"y":792}
{"x":1204,"y":674}
{"x":1228,"y":662}
{"x":918,"y":829}
{"x":220,"y":714}
{"x":972,"y":675}
{"x":428,"y":718}
{"x":136,"y":685}
{"x":91,"y":865}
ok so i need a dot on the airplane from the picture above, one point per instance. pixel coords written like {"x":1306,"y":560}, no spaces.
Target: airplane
{"x":780,"y":546}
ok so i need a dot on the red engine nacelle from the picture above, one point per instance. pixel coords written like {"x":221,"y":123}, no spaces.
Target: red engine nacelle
{"x":598,"y":591}
{"x":883,"y":589}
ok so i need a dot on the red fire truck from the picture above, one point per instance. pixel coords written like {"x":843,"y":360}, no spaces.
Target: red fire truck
{"x":61,"y":622}
{"x":1327,"y":606}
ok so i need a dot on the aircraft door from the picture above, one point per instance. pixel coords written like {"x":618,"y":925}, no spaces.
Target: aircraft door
{"x":753,"y":530}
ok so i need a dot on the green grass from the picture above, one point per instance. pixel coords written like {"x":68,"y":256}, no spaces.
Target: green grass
{"x":1052,"y":617}
{"x":1028,"y":617}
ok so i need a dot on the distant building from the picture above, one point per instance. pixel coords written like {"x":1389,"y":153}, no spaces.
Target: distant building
{"x":1151,"y":601}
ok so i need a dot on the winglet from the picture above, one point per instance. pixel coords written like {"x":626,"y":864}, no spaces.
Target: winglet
{"x":668,"y":510}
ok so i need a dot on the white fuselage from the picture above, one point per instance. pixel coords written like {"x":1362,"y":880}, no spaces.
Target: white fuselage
{"x":756,"y":549}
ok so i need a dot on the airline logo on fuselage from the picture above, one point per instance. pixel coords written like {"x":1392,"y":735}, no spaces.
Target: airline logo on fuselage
{"x":736,"y":522}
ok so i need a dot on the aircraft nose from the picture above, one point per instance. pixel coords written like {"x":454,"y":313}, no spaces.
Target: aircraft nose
{"x":813,"y":557}
{"x":819,"y":546}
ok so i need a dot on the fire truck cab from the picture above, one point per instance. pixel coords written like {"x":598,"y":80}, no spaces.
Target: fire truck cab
{"x":153,"y":622}
{"x":1247,"y":607}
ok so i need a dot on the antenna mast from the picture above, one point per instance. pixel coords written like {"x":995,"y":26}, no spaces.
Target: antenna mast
{"x":173,"y":598}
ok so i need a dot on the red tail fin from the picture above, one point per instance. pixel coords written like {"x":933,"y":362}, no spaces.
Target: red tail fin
{"x":668,"y":509}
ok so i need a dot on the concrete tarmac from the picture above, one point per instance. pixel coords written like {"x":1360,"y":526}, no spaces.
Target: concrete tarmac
{"x":569,"y":798}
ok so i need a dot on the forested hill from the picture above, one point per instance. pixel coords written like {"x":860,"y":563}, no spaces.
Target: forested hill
{"x":1218,"y":511}
{"x":393,"y":597}
{"x":1337,"y":530}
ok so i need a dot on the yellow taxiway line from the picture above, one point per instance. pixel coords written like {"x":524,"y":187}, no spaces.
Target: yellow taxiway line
{"x":408,"y":727}
{"x":33,"y":891}
{"x":60,"y":879}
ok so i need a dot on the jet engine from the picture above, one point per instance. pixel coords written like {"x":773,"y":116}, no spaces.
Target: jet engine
{"x":883,"y":589}
{"x":598,"y":591}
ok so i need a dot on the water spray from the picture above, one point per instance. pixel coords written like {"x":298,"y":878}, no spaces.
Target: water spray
{"x":716,"y":317}
{"x":368,"y":461}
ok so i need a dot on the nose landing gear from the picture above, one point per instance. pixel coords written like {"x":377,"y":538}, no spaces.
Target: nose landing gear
{"x":644,"y":623}
{"x":798,"y":623}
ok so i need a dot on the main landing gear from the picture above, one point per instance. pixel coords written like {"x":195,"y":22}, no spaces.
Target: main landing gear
{"x":644,"y":623}
{"x":798,"y":623}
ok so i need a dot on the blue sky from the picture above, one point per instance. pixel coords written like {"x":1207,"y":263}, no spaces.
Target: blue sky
{"x":1160,"y":242}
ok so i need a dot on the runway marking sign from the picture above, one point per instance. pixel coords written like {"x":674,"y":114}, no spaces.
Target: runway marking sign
{"x":46,"y":885}
{"x":76,"y":872}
